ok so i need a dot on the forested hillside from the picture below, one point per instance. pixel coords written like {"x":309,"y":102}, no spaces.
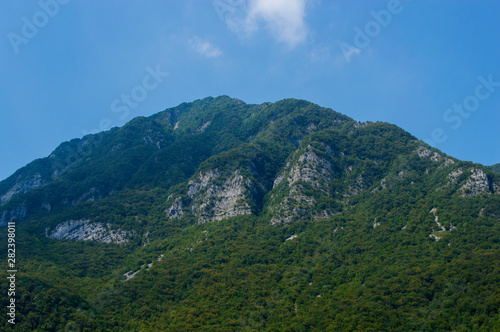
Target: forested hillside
{"x":218,"y":215}
{"x":495,"y":168}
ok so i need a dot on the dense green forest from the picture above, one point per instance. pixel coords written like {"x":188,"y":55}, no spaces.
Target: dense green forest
{"x":495,"y":168}
{"x":282,"y":216}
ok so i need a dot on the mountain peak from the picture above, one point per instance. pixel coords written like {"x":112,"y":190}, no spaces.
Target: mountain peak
{"x":279,"y":210}
{"x":247,"y":149}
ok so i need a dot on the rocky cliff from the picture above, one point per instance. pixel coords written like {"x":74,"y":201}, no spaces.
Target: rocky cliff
{"x":214,"y":197}
{"x":85,"y":230}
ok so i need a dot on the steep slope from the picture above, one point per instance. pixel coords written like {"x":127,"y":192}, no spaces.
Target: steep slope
{"x":220,"y":215}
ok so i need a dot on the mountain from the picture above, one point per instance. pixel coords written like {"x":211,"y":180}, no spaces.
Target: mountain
{"x":220,"y":215}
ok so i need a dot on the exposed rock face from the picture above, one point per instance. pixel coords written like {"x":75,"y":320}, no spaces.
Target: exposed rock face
{"x":476,"y":184}
{"x":86,"y":231}
{"x":175,"y":210}
{"x":426,"y":153}
{"x":205,"y":125}
{"x":22,"y":187}
{"x":293,"y":207}
{"x":171,"y":117}
{"x":217,"y":200}
{"x":423,"y":152}
{"x":453,"y":176}
{"x":311,"y":128}
{"x":13,"y":214}
{"x":447,"y":162}
{"x":201,"y":182}
{"x":215,"y":195}
{"x":278,"y":180}
{"x":311,"y":169}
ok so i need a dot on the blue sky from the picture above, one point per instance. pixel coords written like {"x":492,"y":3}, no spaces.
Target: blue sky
{"x":70,"y":67}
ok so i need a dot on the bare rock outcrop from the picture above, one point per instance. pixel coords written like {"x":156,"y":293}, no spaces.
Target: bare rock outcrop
{"x":444,"y":161}
{"x":216,"y":197}
{"x":84,"y":230}
{"x":308,"y":169}
{"x":36,"y":181}
{"x":477,"y":184}
{"x":175,"y":210}
{"x":16,"y":213}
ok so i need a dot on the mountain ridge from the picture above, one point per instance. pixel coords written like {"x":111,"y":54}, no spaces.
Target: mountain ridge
{"x":162,"y":125}
{"x":172,"y":146}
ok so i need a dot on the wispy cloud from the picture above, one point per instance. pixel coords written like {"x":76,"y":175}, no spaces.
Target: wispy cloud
{"x":204,"y":47}
{"x":283,"y":18}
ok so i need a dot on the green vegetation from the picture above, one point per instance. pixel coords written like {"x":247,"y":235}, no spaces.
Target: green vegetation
{"x":369,"y":265}
{"x":495,"y":168}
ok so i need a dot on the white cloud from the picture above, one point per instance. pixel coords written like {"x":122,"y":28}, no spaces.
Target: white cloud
{"x":204,"y":47}
{"x":284,"y":18}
